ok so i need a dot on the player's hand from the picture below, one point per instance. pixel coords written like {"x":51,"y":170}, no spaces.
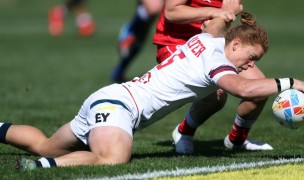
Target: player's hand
{"x":235,"y":6}
{"x":298,"y":85}
{"x":227,"y":16}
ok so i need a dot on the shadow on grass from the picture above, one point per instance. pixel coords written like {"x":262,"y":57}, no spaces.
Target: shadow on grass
{"x":214,"y":148}
{"x":205,"y":148}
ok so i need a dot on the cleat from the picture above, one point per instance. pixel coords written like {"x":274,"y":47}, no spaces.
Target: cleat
{"x":85,"y":24}
{"x":24,"y":164}
{"x":183,"y":143}
{"x":248,"y":145}
{"x":56,"y":20}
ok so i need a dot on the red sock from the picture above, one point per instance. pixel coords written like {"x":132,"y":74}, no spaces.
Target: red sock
{"x":238,"y":134}
{"x":185,"y":129}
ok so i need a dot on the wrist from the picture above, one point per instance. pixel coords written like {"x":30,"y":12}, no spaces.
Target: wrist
{"x":284,"y":83}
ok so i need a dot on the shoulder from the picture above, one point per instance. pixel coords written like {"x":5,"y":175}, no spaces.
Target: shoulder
{"x":206,"y":37}
{"x":205,"y":45}
{"x":213,"y":44}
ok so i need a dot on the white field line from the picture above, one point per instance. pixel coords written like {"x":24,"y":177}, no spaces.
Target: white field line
{"x":201,"y":170}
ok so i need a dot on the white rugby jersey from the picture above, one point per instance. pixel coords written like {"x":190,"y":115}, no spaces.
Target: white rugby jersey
{"x":190,"y":74}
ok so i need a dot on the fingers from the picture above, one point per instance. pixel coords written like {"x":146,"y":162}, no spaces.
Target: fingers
{"x":298,"y":85}
{"x":228,"y":16}
{"x":235,"y":6}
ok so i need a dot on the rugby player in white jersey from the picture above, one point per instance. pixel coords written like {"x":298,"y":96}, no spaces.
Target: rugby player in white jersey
{"x":102,"y":131}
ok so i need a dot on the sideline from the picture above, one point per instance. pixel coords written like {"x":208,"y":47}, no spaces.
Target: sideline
{"x":201,"y":170}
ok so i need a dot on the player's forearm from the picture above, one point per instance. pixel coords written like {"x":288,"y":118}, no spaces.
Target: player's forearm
{"x":187,"y":14}
{"x":216,"y":27}
{"x":257,"y":88}
{"x":265,"y":87}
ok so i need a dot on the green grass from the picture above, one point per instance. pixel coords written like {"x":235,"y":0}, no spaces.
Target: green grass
{"x":44,"y":81}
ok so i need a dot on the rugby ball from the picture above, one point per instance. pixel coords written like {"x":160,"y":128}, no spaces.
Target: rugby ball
{"x":288,"y":108}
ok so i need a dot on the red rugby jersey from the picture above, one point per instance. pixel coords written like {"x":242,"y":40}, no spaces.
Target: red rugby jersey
{"x":169,"y":33}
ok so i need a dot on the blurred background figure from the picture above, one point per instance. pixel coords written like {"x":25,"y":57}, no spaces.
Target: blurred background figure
{"x":133,"y":34}
{"x":83,"y":18}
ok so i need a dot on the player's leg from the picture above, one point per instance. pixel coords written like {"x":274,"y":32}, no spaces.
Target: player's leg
{"x":133,"y":35}
{"x":61,"y":143}
{"x":199,"y":112}
{"x":106,"y":126}
{"x":109,"y":140}
{"x":56,"y":19}
{"x":108,"y":145}
{"x":247,"y":113}
{"x":33,"y":140}
{"x":104,"y":123}
{"x":21,"y":136}
{"x":84,"y":19}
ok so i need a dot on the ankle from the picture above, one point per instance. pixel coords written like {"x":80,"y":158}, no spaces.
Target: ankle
{"x":46,"y":162}
{"x":185,"y":129}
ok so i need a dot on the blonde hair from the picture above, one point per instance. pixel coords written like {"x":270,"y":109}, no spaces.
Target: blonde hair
{"x":249,"y":32}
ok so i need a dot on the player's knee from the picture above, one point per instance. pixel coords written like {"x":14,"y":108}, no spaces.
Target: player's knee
{"x":40,"y":149}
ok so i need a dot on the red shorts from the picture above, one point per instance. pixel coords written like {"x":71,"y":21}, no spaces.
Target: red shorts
{"x":163,"y":52}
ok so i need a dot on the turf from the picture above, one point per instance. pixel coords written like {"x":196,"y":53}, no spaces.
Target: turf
{"x":44,"y":81}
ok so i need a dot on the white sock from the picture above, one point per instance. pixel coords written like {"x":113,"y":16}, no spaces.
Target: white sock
{"x":47,"y":162}
{"x":191,"y":122}
{"x":243,"y":122}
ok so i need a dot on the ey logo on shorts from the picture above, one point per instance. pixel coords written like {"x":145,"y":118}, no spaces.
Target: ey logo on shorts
{"x":101,"y":117}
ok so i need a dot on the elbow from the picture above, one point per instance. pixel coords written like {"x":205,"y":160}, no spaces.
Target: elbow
{"x":244,"y":92}
{"x":170,"y":15}
{"x":251,"y":94}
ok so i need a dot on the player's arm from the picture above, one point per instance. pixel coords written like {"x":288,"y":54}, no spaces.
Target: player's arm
{"x":235,"y":6}
{"x":256,"y":88}
{"x":217,"y":26}
{"x":153,"y":7}
{"x":179,"y":12}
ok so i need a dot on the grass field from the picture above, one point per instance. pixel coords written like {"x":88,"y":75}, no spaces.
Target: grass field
{"x":44,"y":80}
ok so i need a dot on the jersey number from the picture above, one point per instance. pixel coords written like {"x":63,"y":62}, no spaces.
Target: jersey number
{"x":181,"y":55}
